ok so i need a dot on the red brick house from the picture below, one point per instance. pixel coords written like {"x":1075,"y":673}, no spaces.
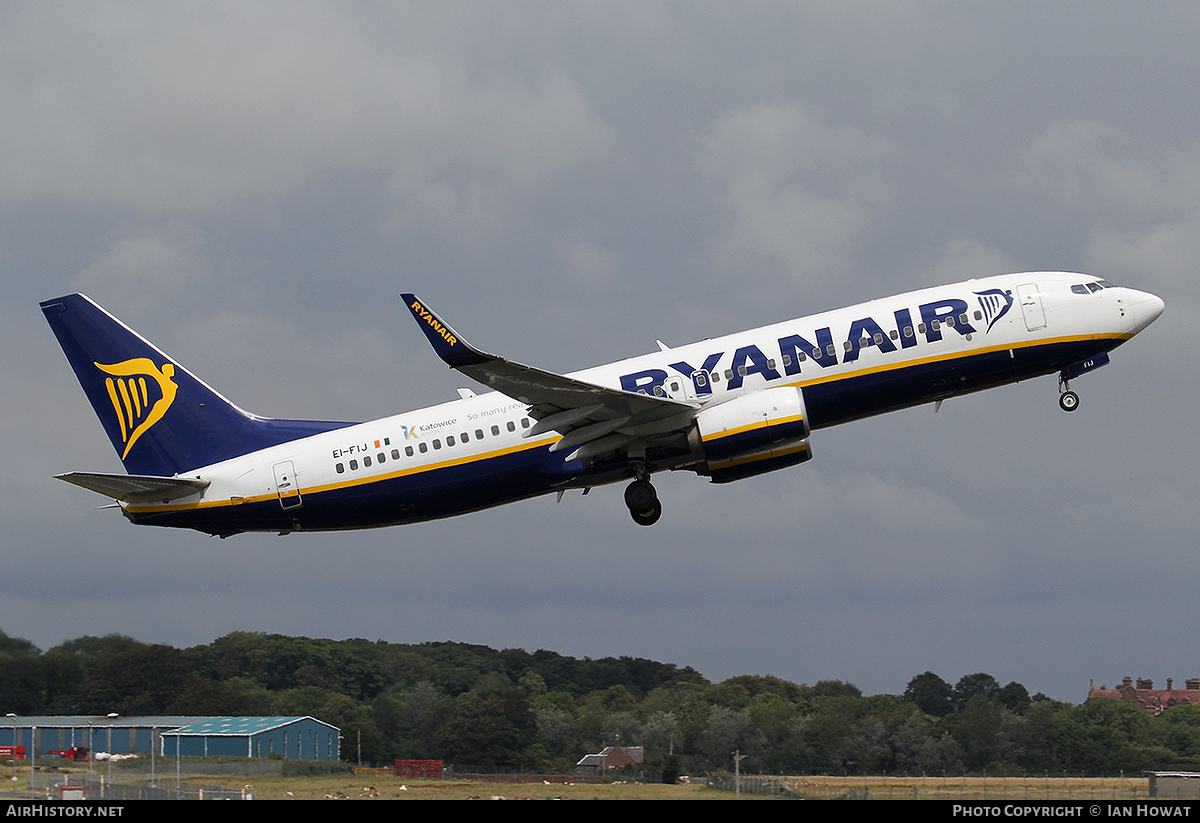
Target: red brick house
{"x":1152,"y":700}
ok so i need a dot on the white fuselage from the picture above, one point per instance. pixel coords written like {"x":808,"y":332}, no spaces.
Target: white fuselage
{"x":849,"y":363}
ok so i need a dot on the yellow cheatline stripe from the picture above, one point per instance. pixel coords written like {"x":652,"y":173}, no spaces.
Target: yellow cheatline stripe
{"x":957,"y":355}
{"x":754,"y":458}
{"x":546,"y":441}
{"x":752,"y":426}
{"x":345,"y":484}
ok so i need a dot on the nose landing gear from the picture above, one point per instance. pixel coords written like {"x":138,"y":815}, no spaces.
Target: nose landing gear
{"x":643,"y":503}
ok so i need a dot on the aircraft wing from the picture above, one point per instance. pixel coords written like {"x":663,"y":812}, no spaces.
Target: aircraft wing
{"x":135,"y":487}
{"x":593,"y":418}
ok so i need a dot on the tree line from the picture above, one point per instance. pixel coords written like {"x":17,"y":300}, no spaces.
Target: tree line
{"x":482,"y":709}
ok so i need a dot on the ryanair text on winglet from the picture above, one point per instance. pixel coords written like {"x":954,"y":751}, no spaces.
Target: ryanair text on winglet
{"x":428,"y":317}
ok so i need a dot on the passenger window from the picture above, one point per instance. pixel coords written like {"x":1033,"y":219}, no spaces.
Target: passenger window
{"x":878,"y":338}
{"x":831,"y":350}
{"x":512,"y":427}
{"x":437,"y":444}
{"x":379,"y":458}
{"x":908,"y":331}
{"x":339,"y":468}
{"x":978,"y":314}
{"x":424,"y":447}
{"x":701,"y":380}
{"x":524,"y":422}
{"x":742,"y":371}
{"x":479,"y":434}
{"x":366,"y":462}
{"x":495,"y":431}
{"x":353,"y":465}
{"x":449,"y":441}
{"x":408,"y":451}
{"x":396,"y":453}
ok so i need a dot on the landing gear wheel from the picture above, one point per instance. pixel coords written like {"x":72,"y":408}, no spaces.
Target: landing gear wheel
{"x":640,"y":496}
{"x":642,"y":500}
{"x":1068,"y":401}
{"x":648,"y":517}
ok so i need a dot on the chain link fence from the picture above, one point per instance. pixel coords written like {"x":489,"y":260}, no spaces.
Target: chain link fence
{"x":976,"y":788}
{"x":125,"y":787}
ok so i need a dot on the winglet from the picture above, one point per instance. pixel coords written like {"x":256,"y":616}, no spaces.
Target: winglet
{"x":449,"y":346}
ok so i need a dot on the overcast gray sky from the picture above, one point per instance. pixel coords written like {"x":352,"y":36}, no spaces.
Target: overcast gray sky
{"x":252,"y":185}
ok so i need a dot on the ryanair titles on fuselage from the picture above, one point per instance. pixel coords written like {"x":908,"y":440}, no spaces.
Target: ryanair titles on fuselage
{"x":819,"y":346}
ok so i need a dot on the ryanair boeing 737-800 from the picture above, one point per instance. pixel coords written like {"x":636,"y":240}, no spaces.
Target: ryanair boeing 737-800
{"x":725,"y":408}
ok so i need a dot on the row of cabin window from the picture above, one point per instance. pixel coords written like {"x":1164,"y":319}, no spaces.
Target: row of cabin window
{"x":424,"y":446}
{"x":830,"y":350}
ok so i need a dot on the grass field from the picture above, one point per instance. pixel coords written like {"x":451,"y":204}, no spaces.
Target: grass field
{"x":383,"y":787}
{"x":403,"y":789}
{"x":815,"y":787}
{"x":971,"y":788}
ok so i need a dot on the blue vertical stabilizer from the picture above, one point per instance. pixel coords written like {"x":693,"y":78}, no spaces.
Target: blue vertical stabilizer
{"x":161,"y":419}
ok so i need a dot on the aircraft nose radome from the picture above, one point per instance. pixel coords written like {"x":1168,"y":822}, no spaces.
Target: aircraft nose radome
{"x":1146,"y":308}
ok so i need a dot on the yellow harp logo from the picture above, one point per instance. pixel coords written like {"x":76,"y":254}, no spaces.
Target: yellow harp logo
{"x":138,"y":407}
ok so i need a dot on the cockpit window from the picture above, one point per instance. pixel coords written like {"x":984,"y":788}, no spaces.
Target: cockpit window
{"x":1091,"y":288}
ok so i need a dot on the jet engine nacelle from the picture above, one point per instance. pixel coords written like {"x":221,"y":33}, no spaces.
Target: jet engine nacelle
{"x":754,"y":433}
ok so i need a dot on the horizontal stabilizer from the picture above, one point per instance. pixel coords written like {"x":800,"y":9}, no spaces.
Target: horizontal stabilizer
{"x":136,"y":488}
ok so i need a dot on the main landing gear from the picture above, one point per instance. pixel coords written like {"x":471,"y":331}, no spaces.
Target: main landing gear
{"x":643,"y":503}
{"x":1068,"y":400}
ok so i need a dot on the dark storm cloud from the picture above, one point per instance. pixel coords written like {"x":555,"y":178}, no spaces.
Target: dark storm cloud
{"x":251,"y":186}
